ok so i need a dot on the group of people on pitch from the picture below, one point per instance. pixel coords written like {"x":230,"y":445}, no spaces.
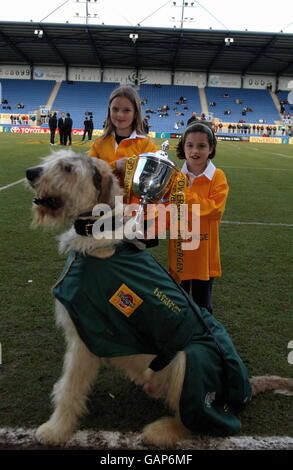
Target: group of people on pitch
{"x":64,"y":125}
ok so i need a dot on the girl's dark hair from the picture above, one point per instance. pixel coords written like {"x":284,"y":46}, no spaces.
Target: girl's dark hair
{"x":197,"y":127}
{"x":133,"y":97}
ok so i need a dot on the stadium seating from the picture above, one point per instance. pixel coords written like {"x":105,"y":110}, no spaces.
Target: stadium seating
{"x":259,"y":101}
{"x":31,"y":93}
{"x":169,"y":95}
{"x":78,"y":97}
{"x":283,"y":95}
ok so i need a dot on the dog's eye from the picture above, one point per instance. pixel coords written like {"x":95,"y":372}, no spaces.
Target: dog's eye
{"x":68,"y":168}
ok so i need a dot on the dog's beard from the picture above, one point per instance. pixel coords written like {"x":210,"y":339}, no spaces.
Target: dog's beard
{"x":48,"y":202}
{"x":48,"y":211}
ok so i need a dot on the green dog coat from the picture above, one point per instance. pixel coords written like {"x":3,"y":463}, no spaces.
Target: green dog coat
{"x":128,"y":304}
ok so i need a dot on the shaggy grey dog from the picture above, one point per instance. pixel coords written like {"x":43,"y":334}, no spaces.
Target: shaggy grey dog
{"x":68,"y":185}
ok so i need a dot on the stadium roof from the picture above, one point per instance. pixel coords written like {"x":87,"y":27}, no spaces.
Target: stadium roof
{"x":154,"y":48}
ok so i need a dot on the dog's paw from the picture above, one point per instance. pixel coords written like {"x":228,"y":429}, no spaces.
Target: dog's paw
{"x":145,"y":377}
{"x":165,"y":433}
{"x":50,"y":434}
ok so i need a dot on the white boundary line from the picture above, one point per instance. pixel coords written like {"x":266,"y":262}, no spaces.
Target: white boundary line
{"x":256,"y":168}
{"x":113,"y":440}
{"x":12,"y":184}
{"x":281,"y":155}
{"x":270,"y":224}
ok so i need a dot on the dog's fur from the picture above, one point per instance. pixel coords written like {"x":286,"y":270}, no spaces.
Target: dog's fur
{"x":79,"y":183}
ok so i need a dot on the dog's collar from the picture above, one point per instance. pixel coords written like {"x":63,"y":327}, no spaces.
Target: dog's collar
{"x":84,"y":224}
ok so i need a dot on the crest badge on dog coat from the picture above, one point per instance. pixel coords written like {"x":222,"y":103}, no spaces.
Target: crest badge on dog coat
{"x":126,"y":300}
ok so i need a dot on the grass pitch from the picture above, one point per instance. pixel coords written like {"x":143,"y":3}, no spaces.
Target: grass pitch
{"x":253,"y":299}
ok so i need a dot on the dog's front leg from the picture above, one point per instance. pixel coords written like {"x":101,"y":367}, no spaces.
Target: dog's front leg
{"x":70,"y":393}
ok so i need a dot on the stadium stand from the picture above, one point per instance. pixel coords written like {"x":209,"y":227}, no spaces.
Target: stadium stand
{"x":31,"y":93}
{"x":288,"y":108}
{"x":260,"y":101}
{"x":167,"y":95}
{"x":77,"y":98}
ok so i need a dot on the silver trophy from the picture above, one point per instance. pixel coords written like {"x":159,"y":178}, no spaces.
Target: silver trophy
{"x":152,"y":180}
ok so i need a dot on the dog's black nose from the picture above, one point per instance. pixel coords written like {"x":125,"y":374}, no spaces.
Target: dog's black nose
{"x":33,"y":173}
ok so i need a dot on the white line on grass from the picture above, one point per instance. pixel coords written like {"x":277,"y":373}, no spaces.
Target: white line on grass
{"x":255,"y":223}
{"x":107,"y":440}
{"x":256,"y":168}
{"x":12,"y":184}
{"x":282,"y":155}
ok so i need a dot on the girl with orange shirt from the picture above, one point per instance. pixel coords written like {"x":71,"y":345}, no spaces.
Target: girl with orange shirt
{"x":123,"y":135}
{"x":205,"y":185}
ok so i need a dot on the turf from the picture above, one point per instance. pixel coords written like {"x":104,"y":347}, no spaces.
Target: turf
{"x":253,"y":299}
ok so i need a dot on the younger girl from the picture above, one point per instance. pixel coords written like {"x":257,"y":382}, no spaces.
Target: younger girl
{"x":205,"y":185}
{"x":123,"y":135}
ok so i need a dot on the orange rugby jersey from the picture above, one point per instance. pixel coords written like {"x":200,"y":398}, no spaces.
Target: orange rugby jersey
{"x":110,"y":152}
{"x":204,"y":262}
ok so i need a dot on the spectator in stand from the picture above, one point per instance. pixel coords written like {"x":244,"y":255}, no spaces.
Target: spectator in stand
{"x":67,"y":129}
{"x":53,"y":127}
{"x":61,"y":127}
{"x":192,"y":119}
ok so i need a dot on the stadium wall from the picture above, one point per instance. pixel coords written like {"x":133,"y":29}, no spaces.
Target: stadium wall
{"x":126,"y":76}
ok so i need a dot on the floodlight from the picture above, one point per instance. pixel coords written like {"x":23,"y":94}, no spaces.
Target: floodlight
{"x":39,"y":33}
{"x":133,"y":37}
{"x":229,"y":41}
